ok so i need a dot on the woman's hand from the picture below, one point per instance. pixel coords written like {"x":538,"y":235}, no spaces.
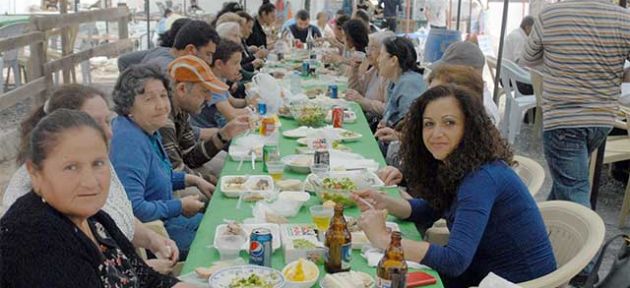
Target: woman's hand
{"x":162,"y":266}
{"x":204,"y":186}
{"x":387,"y":134}
{"x":372,"y":222}
{"x":390,"y":175}
{"x":164,"y":248}
{"x":374,"y":197}
{"x":353,"y":95}
{"x":191,"y":205}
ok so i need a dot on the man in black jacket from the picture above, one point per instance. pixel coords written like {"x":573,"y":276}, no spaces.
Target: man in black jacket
{"x":266,"y":16}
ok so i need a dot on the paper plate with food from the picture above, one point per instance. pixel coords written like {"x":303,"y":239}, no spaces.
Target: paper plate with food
{"x":238,"y":229}
{"x":299,"y":132}
{"x":350,"y":279}
{"x":300,"y":163}
{"x":347,"y":135}
{"x":247,"y":276}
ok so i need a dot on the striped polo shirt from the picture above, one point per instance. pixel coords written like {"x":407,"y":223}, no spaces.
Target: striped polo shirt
{"x":582,"y":45}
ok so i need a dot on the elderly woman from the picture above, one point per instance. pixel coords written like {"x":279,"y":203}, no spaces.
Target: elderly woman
{"x":366,"y":86}
{"x":142,"y":101}
{"x":230,"y":31}
{"x":94,"y":103}
{"x":457,"y":167}
{"x":56,"y":235}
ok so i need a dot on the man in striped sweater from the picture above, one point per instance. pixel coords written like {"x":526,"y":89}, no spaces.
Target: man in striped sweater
{"x":582,"y":46}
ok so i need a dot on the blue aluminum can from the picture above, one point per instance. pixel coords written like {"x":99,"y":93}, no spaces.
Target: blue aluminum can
{"x":306,"y":68}
{"x":262,"y":108}
{"x":260,"y":248}
{"x":332,"y":91}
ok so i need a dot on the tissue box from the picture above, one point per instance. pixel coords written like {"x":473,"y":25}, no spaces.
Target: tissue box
{"x":300,"y":241}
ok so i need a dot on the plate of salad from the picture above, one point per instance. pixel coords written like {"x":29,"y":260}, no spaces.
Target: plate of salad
{"x":247,"y":276}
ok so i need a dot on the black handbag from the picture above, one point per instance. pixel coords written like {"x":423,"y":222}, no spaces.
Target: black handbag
{"x":619,"y":275}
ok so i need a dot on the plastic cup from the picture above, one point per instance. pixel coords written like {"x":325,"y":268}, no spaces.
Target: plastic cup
{"x":321,"y":216}
{"x":276,"y":170}
{"x":319,"y":169}
{"x":229,"y":246}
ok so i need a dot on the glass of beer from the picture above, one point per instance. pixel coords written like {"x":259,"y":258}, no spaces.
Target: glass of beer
{"x":321,"y":217}
{"x":276,"y":170}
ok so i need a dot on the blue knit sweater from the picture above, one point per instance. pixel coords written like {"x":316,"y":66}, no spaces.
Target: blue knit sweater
{"x":495,"y":226}
{"x":145,"y":171}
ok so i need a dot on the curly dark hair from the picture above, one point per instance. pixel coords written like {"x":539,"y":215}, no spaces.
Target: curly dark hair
{"x":438,"y":181}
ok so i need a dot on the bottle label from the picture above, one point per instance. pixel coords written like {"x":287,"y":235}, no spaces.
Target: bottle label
{"x":346,"y":252}
{"x":398,"y":280}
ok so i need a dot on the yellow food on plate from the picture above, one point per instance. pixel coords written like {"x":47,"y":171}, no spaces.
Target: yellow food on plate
{"x":300,"y":272}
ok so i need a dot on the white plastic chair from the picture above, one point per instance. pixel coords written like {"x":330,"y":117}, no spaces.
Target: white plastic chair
{"x":576,"y":233}
{"x":532,"y":174}
{"x":10,"y":58}
{"x":516,"y":104}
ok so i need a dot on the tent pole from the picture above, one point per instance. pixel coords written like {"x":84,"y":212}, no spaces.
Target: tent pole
{"x":146,"y":8}
{"x":500,"y":55}
{"x":459,"y":13}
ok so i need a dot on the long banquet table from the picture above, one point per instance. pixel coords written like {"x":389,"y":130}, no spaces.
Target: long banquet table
{"x":221,"y":208}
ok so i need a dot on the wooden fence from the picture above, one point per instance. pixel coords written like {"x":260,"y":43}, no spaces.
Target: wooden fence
{"x":40,"y":68}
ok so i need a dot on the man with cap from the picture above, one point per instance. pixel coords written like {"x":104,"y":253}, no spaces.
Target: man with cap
{"x":193,"y":85}
{"x":468,"y":54}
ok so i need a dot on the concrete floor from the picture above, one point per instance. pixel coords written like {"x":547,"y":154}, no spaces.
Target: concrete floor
{"x":610,"y":194}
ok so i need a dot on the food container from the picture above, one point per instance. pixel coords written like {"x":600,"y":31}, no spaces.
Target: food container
{"x":229,"y":246}
{"x":311,"y":274}
{"x":338,"y":186}
{"x":307,"y":114}
{"x":300,"y":163}
{"x":300,"y":241}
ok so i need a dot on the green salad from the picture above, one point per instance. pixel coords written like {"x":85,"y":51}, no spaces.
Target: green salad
{"x":344,"y":183}
{"x":253,"y":281}
{"x":310,"y":115}
{"x":337,"y":190}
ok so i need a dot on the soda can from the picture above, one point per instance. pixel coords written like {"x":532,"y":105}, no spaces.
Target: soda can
{"x":332,"y":91}
{"x":306,"y":68}
{"x":321,"y":157}
{"x":262,"y":108}
{"x":337,"y":117}
{"x":260,"y":248}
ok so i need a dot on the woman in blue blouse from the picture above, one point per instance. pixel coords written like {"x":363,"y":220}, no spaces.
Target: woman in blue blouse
{"x":457,"y":167}
{"x":141,"y":99}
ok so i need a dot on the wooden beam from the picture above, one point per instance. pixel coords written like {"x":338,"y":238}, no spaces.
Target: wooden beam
{"x":33,"y":88}
{"x":60,"y":21}
{"x":21,"y":41}
{"x":108,"y":50}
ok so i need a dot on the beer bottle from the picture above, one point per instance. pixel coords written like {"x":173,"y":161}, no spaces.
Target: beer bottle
{"x":391,"y":271}
{"x":338,"y":241}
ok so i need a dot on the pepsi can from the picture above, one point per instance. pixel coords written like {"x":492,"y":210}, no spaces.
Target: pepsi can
{"x":260,"y":248}
{"x":262,"y":108}
{"x":332,"y":91}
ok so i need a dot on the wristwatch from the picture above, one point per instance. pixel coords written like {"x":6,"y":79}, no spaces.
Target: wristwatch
{"x":221,"y":137}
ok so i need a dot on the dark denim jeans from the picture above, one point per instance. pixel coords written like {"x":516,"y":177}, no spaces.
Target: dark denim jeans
{"x":438,"y":40}
{"x":567,"y":151}
{"x":182,"y":230}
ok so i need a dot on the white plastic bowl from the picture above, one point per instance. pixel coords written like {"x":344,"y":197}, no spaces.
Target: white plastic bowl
{"x":298,"y":196}
{"x":229,"y":246}
{"x":303,"y":284}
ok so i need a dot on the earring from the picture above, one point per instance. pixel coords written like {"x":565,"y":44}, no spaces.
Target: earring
{"x":43,"y":200}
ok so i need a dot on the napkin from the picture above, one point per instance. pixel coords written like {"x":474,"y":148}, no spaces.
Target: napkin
{"x":494,"y":281}
{"x":374,"y":255}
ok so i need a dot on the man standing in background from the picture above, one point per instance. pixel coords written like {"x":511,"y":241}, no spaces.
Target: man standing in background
{"x":390,"y":12}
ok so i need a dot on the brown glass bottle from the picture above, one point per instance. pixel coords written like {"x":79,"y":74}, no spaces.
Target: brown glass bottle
{"x":339,"y":244}
{"x":391,"y":271}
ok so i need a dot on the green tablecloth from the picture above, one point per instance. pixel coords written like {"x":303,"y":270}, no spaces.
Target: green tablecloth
{"x":221,"y":207}
{"x":12,"y":19}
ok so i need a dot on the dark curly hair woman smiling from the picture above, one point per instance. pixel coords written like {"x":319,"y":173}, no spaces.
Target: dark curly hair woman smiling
{"x":441,"y":175}
{"x":458,"y":168}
